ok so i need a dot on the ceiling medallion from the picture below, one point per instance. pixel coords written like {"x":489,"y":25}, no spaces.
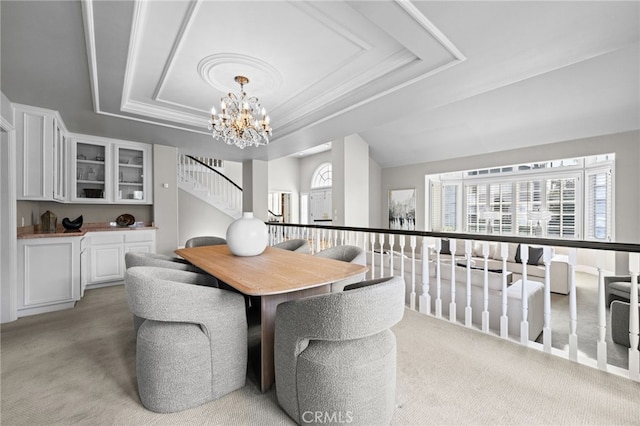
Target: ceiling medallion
{"x":242,"y":121}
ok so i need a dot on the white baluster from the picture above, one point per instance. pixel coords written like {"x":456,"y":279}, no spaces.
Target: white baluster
{"x":412,"y":242}
{"x":573,"y":310}
{"x":485,"y":293}
{"x":504,"y":319}
{"x":373,"y":255}
{"x":634,"y":325}
{"x":602,"y":315}
{"x":468,"y":313}
{"x":524,"y":324}
{"x":392,"y":271}
{"x":452,"y":304}
{"x":425,"y":297}
{"x":402,"y":240}
{"x":546,"y":330}
{"x":438,"y":281}
{"x":381,"y":238}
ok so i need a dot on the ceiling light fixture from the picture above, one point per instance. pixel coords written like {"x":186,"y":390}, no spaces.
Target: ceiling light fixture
{"x":242,"y":121}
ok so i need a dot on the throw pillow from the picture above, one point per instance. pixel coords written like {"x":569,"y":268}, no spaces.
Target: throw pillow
{"x":535,"y":255}
{"x":444,"y":247}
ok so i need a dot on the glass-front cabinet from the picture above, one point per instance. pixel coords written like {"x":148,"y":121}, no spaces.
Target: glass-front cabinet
{"x":111,"y":172}
{"x":131,"y":176}
{"x":91,"y":172}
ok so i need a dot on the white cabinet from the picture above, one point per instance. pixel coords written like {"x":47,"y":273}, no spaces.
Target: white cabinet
{"x":108,"y":171}
{"x":48,"y":274}
{"x":106,"y":250}
{"x":41,"y":154}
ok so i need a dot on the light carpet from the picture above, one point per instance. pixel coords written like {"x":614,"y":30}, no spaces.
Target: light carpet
{"x":78,"y":367}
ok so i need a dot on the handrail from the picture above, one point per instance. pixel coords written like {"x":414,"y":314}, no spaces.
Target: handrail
{"x":584,"y":244}
{"x":213,"y":170}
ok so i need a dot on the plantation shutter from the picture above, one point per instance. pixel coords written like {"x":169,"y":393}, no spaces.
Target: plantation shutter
{"x":598,"y":205}
{"x":436,"y":205}
{"x":561,"y":202}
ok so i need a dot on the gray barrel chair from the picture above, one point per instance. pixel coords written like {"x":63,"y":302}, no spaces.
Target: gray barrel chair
{"x":204,"y":241}
{"x":192,"y":347}
{"x":345,"y":253}
{"x":298,"y":245}
{"x":620,"y":323}
{"x":132,"y":259}
{"x":335,"y":353}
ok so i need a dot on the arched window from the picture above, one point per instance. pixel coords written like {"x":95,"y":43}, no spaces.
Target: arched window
{"x":322,"y":176}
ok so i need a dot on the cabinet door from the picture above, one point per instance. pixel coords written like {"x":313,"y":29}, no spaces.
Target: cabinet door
{"x":60,"y":161}
{"x":34,"y":133}
{"x":106,"y":263}
{"x":49,"y":273}
{"x":132,"y":168}
{"x":91,"y":178}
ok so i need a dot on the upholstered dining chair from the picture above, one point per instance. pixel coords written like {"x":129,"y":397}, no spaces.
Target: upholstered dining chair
{"x":192,"y":346}
{"x":132,"y":259}
{"x":335,"y":352}
{"x":204,"y":241}
{"x":345,"y":253}
{"x":299,"y":245}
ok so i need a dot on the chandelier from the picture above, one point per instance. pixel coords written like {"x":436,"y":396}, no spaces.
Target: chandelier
{"x":242,"y":121}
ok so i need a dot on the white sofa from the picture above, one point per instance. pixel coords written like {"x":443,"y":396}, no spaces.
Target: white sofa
{"x":534,"y":295}
{"x":535,"y":292}
{"x":559,"y":266}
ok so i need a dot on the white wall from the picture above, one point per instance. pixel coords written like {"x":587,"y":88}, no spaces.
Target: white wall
{"x":284,"y":176}
{"x":196,"y":218}
{"x":350,"y":191}
{"x":375,"y":195}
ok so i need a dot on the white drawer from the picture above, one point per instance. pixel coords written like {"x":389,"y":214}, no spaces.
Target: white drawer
{"x":108,"y":237}
{"x":138,"y":236}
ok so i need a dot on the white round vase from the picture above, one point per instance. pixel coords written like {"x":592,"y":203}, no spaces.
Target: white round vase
{"x":247,"y":236}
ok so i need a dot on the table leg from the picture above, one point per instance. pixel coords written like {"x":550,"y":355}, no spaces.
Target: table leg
{"x":269,"y":304}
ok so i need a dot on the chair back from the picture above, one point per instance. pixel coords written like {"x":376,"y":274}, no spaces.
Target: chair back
{"x":134,"y":258}
{"x":204,"y":241}
{"x":346,"y":253}
{"x":298,"y":245}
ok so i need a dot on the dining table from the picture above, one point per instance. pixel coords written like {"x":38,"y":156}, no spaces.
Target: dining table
{"x":275,"y":276}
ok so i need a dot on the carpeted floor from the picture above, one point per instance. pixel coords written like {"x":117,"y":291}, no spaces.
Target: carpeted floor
{"x":78,"y":367}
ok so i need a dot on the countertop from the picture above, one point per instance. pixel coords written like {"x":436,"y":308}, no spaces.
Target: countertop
{"x":34,"y":231}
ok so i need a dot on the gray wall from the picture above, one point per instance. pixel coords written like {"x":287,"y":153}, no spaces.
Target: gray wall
{"x":165,"y":194}
{"x":627,"y":174}
{"x":91,"y":213}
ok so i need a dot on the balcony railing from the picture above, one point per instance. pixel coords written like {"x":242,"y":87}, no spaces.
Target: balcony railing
{"x":505,"y":299}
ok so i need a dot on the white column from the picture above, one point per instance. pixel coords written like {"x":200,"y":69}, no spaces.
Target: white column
{"x":425,"y":297}
{"x":373,"y":255}
{"x":573,"y":309}
{"x":438,"y":281}
{"x":524,"y":324}
{"x":602,"y":315}
{"x":392,"y":241}
{"x":402,"y":240}
{"x":381,"y":238}
{"x":546,"y":330}
{"x":485,"y":292}
{"x":634,"y":326}
{"x":412,"y":242}
{"x":504,"y":319}
{"x":452,"y":304}
{"x":468,"y":318}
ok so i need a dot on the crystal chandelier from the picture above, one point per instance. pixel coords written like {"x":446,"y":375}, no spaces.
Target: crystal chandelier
{"x":241,"y":122}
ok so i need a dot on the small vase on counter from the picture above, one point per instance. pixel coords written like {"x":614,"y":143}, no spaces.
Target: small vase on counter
{"x":48,"y":221}
{"x":247,"y":236}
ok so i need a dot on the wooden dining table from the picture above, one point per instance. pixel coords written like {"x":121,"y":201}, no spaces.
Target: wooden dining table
{"x":275,"y":276}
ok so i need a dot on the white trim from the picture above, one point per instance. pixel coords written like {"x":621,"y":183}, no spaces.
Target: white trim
{"x":8,"y":213}
{"x":90,"y":41}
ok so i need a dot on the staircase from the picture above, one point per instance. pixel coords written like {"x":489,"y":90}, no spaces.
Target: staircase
{"x":203,"y":181}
